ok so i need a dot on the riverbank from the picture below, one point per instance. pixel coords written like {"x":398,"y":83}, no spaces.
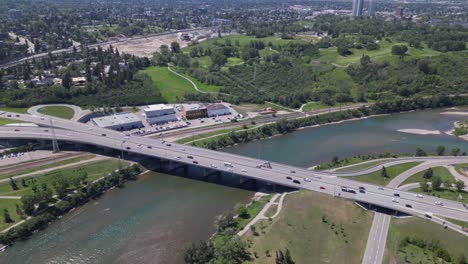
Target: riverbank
{"x":41,"y":208}
{"x":287,"y":126}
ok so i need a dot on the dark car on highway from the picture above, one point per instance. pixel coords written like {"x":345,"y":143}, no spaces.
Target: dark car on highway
{"x":296,"y":181}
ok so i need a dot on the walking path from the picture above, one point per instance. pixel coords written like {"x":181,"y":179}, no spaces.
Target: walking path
{"x":191,"y":82}
{"x":261,"y":214}
{"x":10,"y":197}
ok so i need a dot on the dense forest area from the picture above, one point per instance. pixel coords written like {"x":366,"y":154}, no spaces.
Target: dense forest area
{"x":287,"y":68}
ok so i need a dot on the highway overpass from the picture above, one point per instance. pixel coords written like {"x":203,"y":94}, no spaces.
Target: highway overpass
{"x":65,"y":130}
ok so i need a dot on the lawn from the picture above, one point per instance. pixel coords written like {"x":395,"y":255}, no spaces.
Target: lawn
{"x":316,"y":228}
{"x":6,"y":121}
{"x":362,"y":166}
{"x":57,"y":111}
{"x":455,"y":243}
{"x":10,"y":205}
{"x":461,"y":168}
{"x":95,"y":171}
{"x":203,"y":87}
{"x":392,"y":171}
{"x":18,"y":110}
{"x":384,"y":52}
{"x":438,"y":171}
{"x":209,"y":134}
{"x":48,"y":166}
{"x":170,"y":85}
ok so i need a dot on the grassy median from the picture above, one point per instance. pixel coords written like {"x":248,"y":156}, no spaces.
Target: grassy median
{"x":57,"y":111}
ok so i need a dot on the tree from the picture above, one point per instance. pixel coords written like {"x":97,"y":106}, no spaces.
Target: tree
{"x":365,"y":60}
{"x":243,"y":212}
{"x":28,"y":203}
{"x":460,"y":185}
{"x":13,"y":184}
{"x":175,"y":47}
{"x":283,"y":258}
{"x":428,"y":173}
{"x":440,"y":150}
{"x":199,"y":253}
{"x":448,"y":183}
{"x":455,"y":151}
{"x":436,"y":183}
{"x":67,"y":80}
{"x":424,"y":186}
{"x":420,"y":152}
{"x":233,"y":252}
{"x":383,"y":172}
{"x":6,"y":216}
{"x":399,"y":50}
{"x":23,"y":183}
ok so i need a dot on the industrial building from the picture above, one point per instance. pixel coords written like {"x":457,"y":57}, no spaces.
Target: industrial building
{"x":217,"y":110}
{"x":122,"y":121}
{"x":160,"y":113}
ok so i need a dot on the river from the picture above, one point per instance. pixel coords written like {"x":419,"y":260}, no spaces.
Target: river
{"x":152,"y":219}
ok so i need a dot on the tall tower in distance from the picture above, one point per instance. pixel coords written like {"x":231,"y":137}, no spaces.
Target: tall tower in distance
{"x":357,"y":7}
{"x":371,"y":8}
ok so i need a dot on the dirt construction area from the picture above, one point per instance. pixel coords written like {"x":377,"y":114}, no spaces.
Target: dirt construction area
{"x":145,"y":47}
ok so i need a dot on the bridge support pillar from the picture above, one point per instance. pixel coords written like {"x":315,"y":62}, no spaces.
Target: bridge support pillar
{"x":55,"y":146}
{"x":243,"y":180}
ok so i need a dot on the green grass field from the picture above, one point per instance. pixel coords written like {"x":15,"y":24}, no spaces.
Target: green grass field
{"x":362,"y":166}
{"x":10,"y":205}
{"x":95,"y":171}
{"x":455,"y":243}
{"x":438,"y":171}
{"x":48,"y":166}
{"x":6,"y":121}
{"x":170,"y":85}
{"x":301,"y":229}
{"x":209,"y":134}
{"x":384,"y":53}
{"x":14,"y":110}
{"x":202,"y":86}
{"x":392,"y":171}
{"x":57,"y":111}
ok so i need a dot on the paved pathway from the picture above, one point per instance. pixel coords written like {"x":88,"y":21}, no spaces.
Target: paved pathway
{"x":261,"y":214}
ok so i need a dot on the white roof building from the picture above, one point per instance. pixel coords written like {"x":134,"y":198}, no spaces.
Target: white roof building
{"x":158,"y":110}
{"x":122,"y":121}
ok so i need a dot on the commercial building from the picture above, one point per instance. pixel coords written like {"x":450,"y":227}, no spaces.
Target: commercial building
{"x":122,"y":121}
{"x":217,"y":110}
{"x":160,"y":113}
{"x":79,"y":81}
{"x":358,"y":6}
{"x":195,"y":111}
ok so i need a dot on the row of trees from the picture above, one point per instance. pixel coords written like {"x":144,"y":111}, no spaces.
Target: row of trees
{"x":73,"y":192}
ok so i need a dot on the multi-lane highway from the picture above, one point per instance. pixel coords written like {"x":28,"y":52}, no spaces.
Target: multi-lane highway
{"x":65,"y":130}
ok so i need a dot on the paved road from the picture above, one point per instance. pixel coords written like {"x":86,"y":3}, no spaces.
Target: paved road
{"x":78,"y":112}
{"x":375,"y":248}
{"x":66,"y":130}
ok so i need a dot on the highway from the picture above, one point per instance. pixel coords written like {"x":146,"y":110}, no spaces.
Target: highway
{"x":325,"y":182}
